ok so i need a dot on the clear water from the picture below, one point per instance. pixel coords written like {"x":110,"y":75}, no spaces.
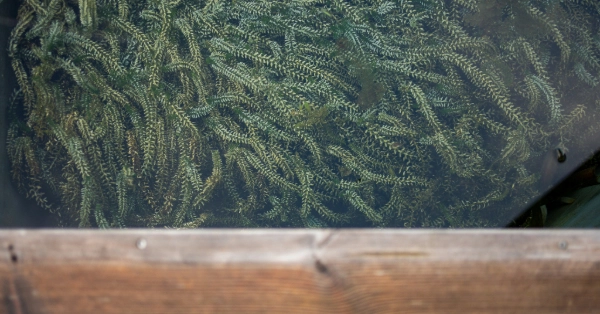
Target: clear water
{"x":299,"y":113}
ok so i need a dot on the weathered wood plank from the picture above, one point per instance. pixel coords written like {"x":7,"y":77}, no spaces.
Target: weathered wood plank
{"x":299,"y":271}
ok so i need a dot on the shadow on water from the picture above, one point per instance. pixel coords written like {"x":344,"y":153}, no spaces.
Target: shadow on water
{"x":15,"y":209}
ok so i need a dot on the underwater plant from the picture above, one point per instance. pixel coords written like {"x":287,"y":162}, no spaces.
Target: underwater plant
{"x":302,"y":113}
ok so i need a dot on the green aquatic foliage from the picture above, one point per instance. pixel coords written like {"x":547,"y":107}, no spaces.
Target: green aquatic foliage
{"x":304,"y":113}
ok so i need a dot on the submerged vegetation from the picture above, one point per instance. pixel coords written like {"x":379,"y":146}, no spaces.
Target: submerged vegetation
{"x":302,"y":113}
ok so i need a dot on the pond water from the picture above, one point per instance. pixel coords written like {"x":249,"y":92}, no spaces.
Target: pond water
{"x":186,"y":114}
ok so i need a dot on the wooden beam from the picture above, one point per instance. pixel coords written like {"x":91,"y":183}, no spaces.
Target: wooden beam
{"x":299,"y":271}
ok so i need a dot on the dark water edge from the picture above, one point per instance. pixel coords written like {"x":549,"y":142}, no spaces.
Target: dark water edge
{"x":15,"y":210}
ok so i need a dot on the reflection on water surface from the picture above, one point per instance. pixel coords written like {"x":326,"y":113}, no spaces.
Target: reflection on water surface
{"x":299,"y":113}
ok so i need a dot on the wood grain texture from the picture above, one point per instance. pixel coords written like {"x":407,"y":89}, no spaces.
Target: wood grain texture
{"x":300,"y":271}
